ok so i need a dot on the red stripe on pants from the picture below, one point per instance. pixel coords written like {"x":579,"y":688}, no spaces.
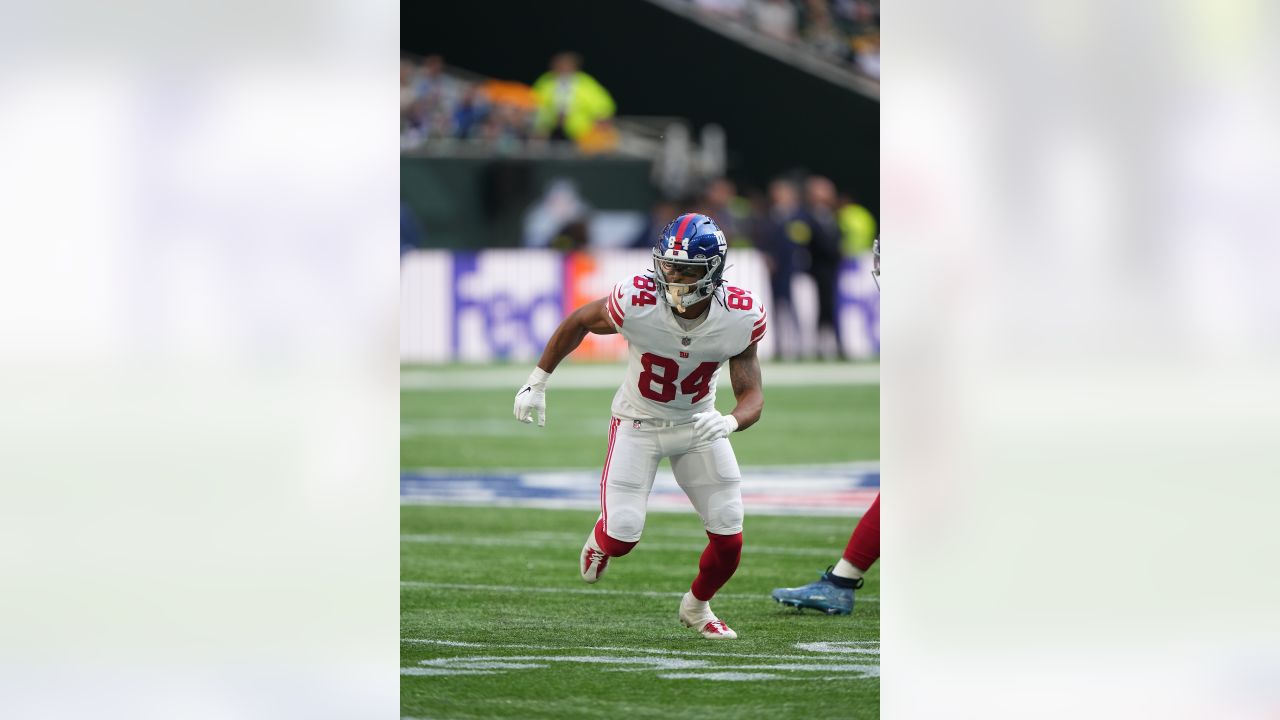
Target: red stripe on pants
{"x":604,"y":474}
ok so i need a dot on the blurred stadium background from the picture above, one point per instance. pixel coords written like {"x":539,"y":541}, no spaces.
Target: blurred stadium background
{"x":539,"y":158}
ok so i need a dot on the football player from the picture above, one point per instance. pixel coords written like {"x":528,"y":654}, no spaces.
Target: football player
{"x":833,"y":592}
{"x":681,"y":322}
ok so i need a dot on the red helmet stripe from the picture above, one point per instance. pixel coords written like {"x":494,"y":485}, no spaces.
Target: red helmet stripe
{"x":680,"y":233}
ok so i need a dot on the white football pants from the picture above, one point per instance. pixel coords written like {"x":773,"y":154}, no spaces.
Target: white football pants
{"x":707,"y":472}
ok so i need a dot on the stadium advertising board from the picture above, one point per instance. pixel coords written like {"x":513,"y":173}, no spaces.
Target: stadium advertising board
{"x":503,"y":305}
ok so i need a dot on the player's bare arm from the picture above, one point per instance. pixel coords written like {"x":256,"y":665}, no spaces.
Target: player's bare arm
{"x":744,"y":375}
{"x":590,"y":318}
{"x":532,"y":396}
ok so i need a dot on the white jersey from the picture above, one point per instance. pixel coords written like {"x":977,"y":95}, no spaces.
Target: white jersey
{"x":671,"y":372}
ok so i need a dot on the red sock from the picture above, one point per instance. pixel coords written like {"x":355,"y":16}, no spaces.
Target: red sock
{"x":718,"y":563}
{"x":611,"y":546}
{"x":864,"y":545}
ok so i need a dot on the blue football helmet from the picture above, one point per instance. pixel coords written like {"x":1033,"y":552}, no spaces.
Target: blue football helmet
{"x":690,"y":244}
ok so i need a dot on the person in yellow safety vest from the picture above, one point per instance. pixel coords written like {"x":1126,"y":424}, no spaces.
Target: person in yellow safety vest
{"x":857,"y":227}
{"x":570,"y":102}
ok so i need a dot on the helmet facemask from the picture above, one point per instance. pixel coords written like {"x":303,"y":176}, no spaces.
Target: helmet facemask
{"x":683,"y":295}
{"x":875,"y":267}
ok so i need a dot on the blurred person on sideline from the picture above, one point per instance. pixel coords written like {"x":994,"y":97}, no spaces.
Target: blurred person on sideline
{"x":781,"y":231}
{"x":824,"y":261}
{"x":570,"y":102}
{"x":732,"y":213}
{"x":832,"y":593}
{"x":857,"y":226}
{"x":558,"y":219}
{"x":659,"y":215}
{"x":682,"y":323}
{"x":410,"y":232}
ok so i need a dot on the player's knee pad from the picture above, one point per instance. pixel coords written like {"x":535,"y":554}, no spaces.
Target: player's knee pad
{"x":725,"y":518}
{"x":625,"y":525}
{"x":611,"y":546}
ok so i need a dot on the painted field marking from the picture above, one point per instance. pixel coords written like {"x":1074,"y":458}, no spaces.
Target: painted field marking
{"x":845,"y":490}
{"x":655,"y":659}
{"x":414,"y":584}
{"x":855,"y":647}
{"x":869,"y":647}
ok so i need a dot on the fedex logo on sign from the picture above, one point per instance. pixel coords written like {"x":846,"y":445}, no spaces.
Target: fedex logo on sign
{"x":506,"y":304}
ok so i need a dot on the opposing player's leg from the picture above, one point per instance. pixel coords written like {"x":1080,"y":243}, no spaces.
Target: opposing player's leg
{"x":711,"y":479}
{"x":863,"y":549}
{"x":833,"y":592}
{"x":625,"y":481}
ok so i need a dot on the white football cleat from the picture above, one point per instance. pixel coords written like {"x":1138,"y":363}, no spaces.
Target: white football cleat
{"x":703,"y":620}
{"x":593,"y":562}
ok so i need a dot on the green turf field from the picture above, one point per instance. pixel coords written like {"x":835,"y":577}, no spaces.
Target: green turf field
{"x":496,"y":622}
{"x":475,"y":428}
{"x":527,"y":648}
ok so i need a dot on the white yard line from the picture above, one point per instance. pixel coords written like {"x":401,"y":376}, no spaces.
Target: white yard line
{"x":590,"y":376}
{"x":416,"y":584}
{"x":866,"y":647}
{"x":667,"y":664}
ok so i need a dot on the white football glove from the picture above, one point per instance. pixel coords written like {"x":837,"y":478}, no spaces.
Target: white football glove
{"x":708,"y":426}
{"x":533,"y":396}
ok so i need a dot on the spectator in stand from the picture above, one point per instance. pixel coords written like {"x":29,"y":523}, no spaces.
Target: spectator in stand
{"x":820,"y":31}
{"x":845,"y":31}
{"x":510,"y":117}
{"x":601,"y":138}
{"x":412,"y":126}
{"x":570,"y":102}
{"x":778,"y":239}
{"x":776,"y":19}
{"x":824,"y":260}
{"x":867,"y":54}
{"x":731,"y":9}
{"x":438,"y":96}
{"x":471,"y":112}
{"x":408,"y":87}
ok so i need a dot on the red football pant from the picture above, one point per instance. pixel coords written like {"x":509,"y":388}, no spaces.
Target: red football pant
{"x":718,"y":563}
{"x":864,"y":545}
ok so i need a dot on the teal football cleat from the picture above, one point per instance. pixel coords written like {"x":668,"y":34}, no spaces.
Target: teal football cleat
{"x":830,"y":594}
